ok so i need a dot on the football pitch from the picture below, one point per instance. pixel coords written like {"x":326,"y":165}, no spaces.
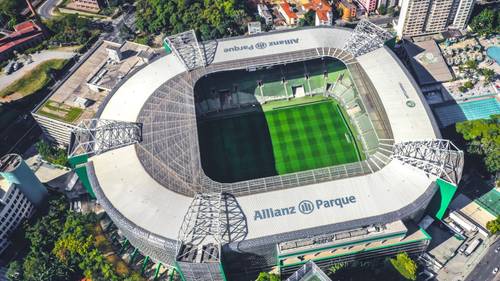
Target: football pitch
{"x":281,"y":138}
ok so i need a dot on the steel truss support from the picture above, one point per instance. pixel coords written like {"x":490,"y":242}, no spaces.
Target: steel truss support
{"x":438,"y":157}
{"x":365,"y":38}
{"x":186,"y":47}
{"x":95,"y":136}
{"x":201,"y":226}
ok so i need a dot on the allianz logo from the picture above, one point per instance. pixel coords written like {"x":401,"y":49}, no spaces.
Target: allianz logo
{"x":304,"y":207}
{"x":261,"y":45}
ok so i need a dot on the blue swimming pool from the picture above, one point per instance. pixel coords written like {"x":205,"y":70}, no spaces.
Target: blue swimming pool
{"x":472,"y":110}
{"x":494,"y":53}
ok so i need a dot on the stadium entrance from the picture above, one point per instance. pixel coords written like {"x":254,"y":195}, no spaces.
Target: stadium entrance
{"x":274,"y":121}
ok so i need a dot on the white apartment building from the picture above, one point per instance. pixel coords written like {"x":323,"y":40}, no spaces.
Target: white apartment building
{"x":419,"y":17}
{"x":20,"y":193}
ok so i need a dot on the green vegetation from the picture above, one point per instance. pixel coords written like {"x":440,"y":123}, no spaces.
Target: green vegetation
{"x":60,"y":111}
{"x":336,"y":267}
{"x":489,"y":74}
{"x":405,"y":266}
{"x":34,"y":80}
{"x":309,"y":19}
{"x":306,"y":134}
{"x":264,"y":276}
{"x":494,"y":226}
{"x":209,"y":18}
{"x":10,"y":12}
{"x":483,"y":139}
{"x":486,"y":23}
{"x":52,"y":154}
{"x":63,"y":246}
{"x":70,"y":29}
{"x":382,"y":10}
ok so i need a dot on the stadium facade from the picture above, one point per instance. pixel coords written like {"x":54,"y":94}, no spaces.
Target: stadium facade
{"x":145,"y":166}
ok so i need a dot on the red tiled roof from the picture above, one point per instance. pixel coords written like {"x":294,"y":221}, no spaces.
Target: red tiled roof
{"x":321,"y":7}
{"x":288,"y":10}
{"x":25,"y":25}
{"x":23,"y":32}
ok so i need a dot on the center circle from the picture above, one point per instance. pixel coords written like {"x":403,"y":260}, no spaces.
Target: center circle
{"x":306,"y":207}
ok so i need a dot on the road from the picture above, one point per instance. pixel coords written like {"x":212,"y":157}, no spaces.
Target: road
{"x":483,"y":270}
{"x":38,"y":58}
{"x":46,"y":9}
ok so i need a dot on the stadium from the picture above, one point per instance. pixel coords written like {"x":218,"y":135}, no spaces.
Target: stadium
{"x":226,"y":158}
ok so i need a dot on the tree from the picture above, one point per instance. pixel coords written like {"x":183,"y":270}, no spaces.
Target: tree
{"x":469,"y":85}
{"x":309,"y":19}
{"x":52,"y":154}
{"x":265,"y":276}
{"x":493,"y":226}
{"x":405,"y":266}
{"x":14,"y":272}
{"x":471,"y":64}
{"x":483,"y":139}
{"x":209,"y":18}
{"x":382,"y":10}
{"x":336,"y":267}
{"x":489,"y":74}
{"x":485,"y":23}
{"x":10,"y":12}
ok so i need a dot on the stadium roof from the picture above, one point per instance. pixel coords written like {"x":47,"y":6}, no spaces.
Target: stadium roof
{"x":394,"y":191}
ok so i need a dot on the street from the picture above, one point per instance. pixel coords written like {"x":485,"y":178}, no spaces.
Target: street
{"x":46,"y":9}
{"x":483,"y":270}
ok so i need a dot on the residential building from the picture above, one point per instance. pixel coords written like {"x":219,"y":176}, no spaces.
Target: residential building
{"x":369,"y":5}
{"x":20,"y":193}
{"x":462,"y":10}
{"x":26,"y":35}
{"x":288,"y":14}
{"x":349,"y":9}
{"x":265,"y":14}
{"x":323,"y":11}
{"x":420,"y":17}
{"x":91,"y":6}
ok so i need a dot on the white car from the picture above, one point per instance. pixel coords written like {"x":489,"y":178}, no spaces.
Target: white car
{"x":497,"y":250}
{"x":495,"y":270}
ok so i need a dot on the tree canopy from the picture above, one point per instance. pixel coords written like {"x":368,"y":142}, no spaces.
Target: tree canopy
{"x":265,"y":276}
{"x":62,"y":247}
{"x":405,"y":266}
{"x":10,"y":12}
{"x":209,"y":18}
{"x":52,"y":154}
{"x":483,"y":138}
{"x":486,"y":22}
{"x":494,"y":226}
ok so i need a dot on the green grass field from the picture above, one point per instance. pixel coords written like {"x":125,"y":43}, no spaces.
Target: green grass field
{"x":281,"y":138}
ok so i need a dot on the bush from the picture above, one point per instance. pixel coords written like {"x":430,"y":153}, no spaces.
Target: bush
{"x":494,"y":226}
{"x":405,"y":266}
{"x":52,"y":154}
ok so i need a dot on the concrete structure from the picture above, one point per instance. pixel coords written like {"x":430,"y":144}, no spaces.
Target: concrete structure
{"x":349,"y":10}
{"x":26,"y":35}
{"x":473,"y":215}
{"x":462,"y":10}
{"x":426,"y":62}
{"x":81,"y":93}
{"x":158,"y":195}
{"x":369,"y":5}
{"x":91,"y":6}
{"x":419,"y":17}
{"x":265,"y":13}
{"x":20,"y":193}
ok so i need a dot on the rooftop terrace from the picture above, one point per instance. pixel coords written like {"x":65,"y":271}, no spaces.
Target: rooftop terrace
{"x":80,"y":95}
